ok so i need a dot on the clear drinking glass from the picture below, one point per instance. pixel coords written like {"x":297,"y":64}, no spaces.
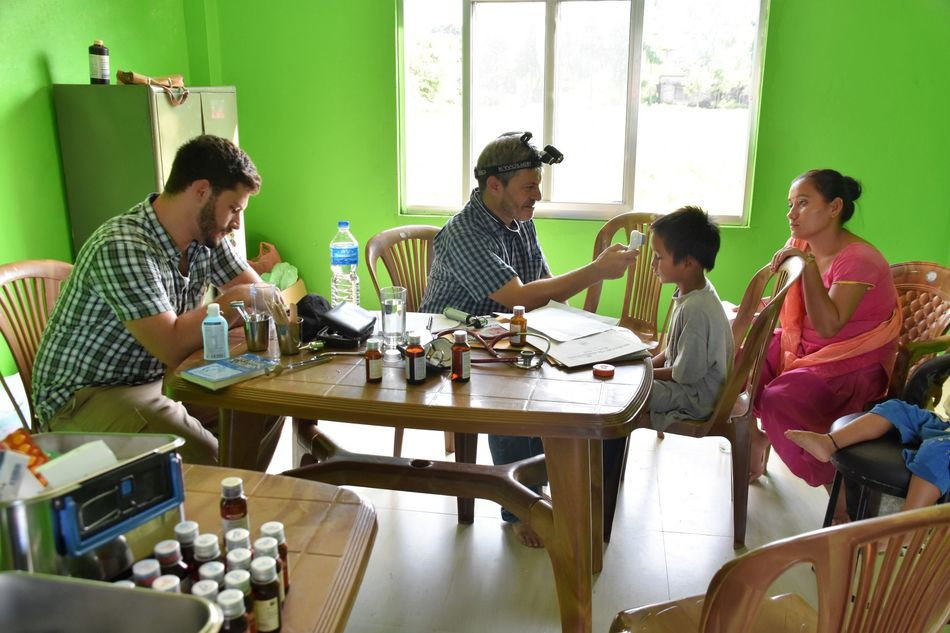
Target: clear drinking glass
{"x":392,"y":301}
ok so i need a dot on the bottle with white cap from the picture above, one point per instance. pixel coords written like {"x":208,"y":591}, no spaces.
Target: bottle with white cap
{"x":240,"y":579}
{"x":213,"y":570}
{"x":206,"y":549}
{"x":145,"y":572}
{"x":231,"y":602}
{"x":265,"y":587}
{"x":233,"y":505}
{"x":275,"y":530}
{"x":168,"y":583}
{"x":214,"y":333}
{"x":207,"y":589}
{"x":239,"y":558}
{"x":266,"y":546}
{"x":168,"y":553}
{"x":185,"y":533}
{"x":238,"y":537}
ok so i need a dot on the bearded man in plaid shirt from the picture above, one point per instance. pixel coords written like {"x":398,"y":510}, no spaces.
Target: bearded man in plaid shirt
{"x":132,"y":305}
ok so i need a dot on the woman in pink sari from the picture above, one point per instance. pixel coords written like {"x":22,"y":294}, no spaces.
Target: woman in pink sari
{"x":836,"y":348}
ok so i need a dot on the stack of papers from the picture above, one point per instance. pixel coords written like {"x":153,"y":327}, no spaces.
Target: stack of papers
{"x":580,"y":338}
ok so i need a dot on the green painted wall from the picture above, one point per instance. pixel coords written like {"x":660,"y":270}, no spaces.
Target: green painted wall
{"x":856,"y":85}
{"x":43,"y":42}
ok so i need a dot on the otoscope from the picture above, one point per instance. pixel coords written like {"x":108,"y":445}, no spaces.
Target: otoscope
{"x":470,"y":320}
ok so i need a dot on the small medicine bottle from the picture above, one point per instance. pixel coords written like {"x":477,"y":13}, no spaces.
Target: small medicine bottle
{"x":99,"y":63}
{"x":415,"y":360}
{"x":238,"y":537}
{"x":275,"y":530}
{"x":232,"y":606}
{"x":518,"y":326}
{"x":214,"y":334}
{"x":168,"y":583}
{"x":266,"y":547}
{"x":240,"y":579}
{"x":206,"y":549}
{"x":266,"y":590}
{"x":207,"y":589}
{"x":374,"y":361}
{"x":185,"y":533}
{"x":461,"y":357}
{"x":168,"y":554}
{"x":239,"y":558}
{"x":127,"y":584}
{"x":213,"y":570}
{"x":233,"y":505}
{"x":145,"y":572}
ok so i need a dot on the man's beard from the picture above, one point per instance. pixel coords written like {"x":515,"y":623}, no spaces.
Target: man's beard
{"x":207,"y":225}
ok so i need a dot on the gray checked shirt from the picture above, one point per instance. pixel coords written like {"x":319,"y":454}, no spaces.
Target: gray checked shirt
{"x":127,"y":270}
{"x":476,"y":255}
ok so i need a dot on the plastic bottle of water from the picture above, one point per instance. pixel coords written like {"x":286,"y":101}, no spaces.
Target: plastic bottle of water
{"x":344,"y":257}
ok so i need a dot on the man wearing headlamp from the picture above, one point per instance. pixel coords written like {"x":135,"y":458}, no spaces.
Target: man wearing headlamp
{"x":488,"y":259}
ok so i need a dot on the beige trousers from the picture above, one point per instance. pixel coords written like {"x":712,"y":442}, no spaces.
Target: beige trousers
{"x":146,"y":409}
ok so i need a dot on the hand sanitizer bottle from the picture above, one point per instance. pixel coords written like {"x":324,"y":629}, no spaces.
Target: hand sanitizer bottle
{"x":214,"y":332}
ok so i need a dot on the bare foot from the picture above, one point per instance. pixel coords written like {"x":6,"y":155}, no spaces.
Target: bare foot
{"x":818,"y":445}
{"x":759,"y":449}
{"x":526,"y":536}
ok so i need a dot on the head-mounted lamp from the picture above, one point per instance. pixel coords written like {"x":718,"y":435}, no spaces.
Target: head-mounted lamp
{"x":550,"y":155}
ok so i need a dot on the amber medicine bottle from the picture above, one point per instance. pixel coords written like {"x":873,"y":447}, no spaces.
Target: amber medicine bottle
{"x":415,"y":360}
{"x":374,"y":361}
{"x":461,"y":357}
{"x":275,"y":530}
{"x":231,"y":602}
{"x":233,"y":505}
{"x":518,"y":326}
{"x":265,"y":587}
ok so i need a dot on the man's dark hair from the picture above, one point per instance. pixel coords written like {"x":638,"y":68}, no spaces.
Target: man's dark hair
{"x":688,"y":232}
{"x":215,"y":159}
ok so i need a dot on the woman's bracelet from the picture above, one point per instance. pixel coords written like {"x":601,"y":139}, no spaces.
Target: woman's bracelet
{"x":809,"y":259}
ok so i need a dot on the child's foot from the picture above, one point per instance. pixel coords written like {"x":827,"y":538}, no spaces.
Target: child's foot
{"x":526,"y":536}
{"x":818,"y":445}
{"x":758,"y":451}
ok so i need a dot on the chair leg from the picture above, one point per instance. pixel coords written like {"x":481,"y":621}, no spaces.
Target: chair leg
{"x":397,"y":442}
{"x":832,"y":501}
{"x":864,"y":498}
{"x":449,"y":443}
{"x":741,"y":441}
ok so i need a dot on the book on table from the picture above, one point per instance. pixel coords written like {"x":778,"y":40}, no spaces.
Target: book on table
{"x":219,"y":374}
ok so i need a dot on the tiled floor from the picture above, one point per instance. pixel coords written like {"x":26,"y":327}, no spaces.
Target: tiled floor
{"x":672,"y":531}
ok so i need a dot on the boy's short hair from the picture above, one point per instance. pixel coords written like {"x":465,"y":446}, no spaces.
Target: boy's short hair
{"x":221,"y":162}
{"x":689,"y":232}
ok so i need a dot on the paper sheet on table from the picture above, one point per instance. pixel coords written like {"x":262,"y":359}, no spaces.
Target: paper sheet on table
{"x":561,"y":322}
{"x":614,"y":344}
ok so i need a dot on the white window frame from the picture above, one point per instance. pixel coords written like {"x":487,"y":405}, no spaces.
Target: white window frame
{"x":587,"y":211}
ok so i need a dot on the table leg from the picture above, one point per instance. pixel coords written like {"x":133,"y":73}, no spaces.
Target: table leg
{"x":569,"y":472}
{"x":225,"y":437}
{"x":598,"y":509}
{"x":466,"y":447}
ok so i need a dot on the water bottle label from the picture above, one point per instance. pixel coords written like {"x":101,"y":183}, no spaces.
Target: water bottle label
{"x":345,"y":256}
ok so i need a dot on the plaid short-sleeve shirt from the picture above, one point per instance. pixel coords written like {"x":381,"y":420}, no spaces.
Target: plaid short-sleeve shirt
{"x":127,"y":270}
{"x":476,"y":255}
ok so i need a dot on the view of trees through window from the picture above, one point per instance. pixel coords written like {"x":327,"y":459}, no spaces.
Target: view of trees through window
{"x":690,"y":144}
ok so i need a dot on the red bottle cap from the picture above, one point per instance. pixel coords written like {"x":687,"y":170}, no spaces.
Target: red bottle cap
{"x":603,"y":370}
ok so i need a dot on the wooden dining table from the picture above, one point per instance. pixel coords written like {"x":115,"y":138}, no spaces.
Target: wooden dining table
{"x":572,"y":411}
{"x":329,"y":531}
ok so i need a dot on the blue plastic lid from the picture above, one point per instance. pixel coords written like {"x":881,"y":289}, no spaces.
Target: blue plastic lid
{"x":343,"y":224}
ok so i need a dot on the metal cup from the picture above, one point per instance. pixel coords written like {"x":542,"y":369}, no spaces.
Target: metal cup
{"x":257,"y":332}
{"x":288,"y":336}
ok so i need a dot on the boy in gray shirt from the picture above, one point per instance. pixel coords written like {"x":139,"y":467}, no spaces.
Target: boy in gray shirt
{"x":689,"y":374}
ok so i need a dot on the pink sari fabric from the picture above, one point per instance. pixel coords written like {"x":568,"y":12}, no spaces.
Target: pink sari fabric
{"x":811,"y":398}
